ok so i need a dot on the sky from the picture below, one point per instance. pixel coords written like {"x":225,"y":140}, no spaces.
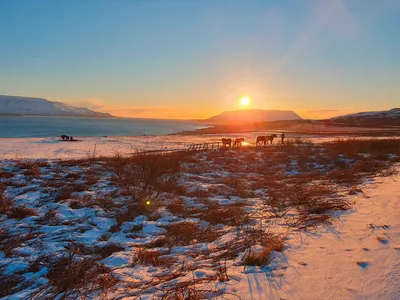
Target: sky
{"x":196,"y":58}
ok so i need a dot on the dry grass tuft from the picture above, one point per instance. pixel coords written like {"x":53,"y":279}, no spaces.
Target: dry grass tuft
{"x":268,"y":241}
{"x":143,"y":256}
{"x":233,"y":214}
{"x":187,"y":233}
{"x":107,"y":250}
{"x":188,"y":290}
{"x":257,"y":258}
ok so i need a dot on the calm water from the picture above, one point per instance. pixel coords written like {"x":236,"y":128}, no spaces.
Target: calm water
{"x":27,"y":126}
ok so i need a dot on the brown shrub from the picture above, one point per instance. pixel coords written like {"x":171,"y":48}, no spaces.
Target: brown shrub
{"x":10,"y":284}
{"x":230,"y":214}
{"x":91,"y":177}
{"x":256,"y":236}
{"x":345,"y":176}
{"x":106,"y":203}
{"x":50,"y":217}
{"x":368,"y":166}
{"x":36,"y":171}
{"x":372,"y":146}
{"x":317,"y":199}
{"x":143,"y":256}
{"x":177,"y":206}
{"x":107,"y":250}
{"x":188,"y":290}
{"x":6,"y":175}
{"x":246,"y":239}
{"x":146,"y":176}
{"x":21,"y":212}
{"x":9,"y":242}
{"x":257,"y":259}
{"x":186,"y":233}
{"x":77,"y":278}
{"x":6,"y":204}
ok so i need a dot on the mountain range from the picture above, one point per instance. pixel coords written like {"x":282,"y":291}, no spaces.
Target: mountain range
{"x":16,"y":105}
{"x":253,"y":116}
{"x":371,"y":118}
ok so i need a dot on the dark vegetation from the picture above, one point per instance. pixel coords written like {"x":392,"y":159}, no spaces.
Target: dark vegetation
{"x":245,"y":193}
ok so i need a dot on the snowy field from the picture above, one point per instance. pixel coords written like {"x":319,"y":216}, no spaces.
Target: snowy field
{"x":305,"y":221}
{"x":36,"y":148}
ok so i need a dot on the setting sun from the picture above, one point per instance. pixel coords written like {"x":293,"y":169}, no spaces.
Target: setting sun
{"x":245,"y":101}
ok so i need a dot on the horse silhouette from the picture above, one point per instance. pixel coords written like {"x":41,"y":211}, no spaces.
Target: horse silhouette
{"x":264,"y":139}
{"x":226,"y":143}
{"x":238,"y":142}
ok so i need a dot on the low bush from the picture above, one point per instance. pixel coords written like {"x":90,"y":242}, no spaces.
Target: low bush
{"x":77,"y":278}
{"x":187,"y":233}
{"x":10,"y":283}
{"x":21,"y":212}
{"x":145,"y":176}
{"x":229,"y":214}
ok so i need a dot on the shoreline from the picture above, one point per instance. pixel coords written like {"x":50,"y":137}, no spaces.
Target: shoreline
{"x":306,"y":130}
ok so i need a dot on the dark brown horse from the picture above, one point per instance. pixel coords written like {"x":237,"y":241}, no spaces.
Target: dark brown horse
{"x":226,"y":143}
{"x":264,"y":139}
{"x":238,"y":142}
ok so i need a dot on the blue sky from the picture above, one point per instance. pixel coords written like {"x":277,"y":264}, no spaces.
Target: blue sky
{"x":189,"y":59}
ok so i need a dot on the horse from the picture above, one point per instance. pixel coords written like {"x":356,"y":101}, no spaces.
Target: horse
{"x":238,"y":142}
{"x":265,"y":138}
{"x":261,"y":139}
{"x":271,"y":138}
{"x":226,"y":142}
{"x":65,"y":137}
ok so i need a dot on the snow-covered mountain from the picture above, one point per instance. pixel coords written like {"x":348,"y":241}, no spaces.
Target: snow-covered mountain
{"x":254,"y":116}
{"x":371,"y":118}
{"x":16,"y":105}
{"x":393,"y":113}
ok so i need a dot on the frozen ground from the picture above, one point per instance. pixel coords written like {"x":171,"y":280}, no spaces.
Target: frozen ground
{"x":14,"y":148}
{"x":296,"y":222}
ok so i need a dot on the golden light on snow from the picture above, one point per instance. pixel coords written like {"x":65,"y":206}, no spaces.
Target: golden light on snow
{"x":245,"y":101}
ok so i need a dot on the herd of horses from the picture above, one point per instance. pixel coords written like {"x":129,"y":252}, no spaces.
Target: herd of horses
{"x":261,"y":140}
{"x":67,"y":138}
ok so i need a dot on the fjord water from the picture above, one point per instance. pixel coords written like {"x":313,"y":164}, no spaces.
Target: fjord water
{"x":35,"y":126}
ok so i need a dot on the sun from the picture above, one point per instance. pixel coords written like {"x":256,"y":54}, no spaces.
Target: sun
{"x":245,"y":101}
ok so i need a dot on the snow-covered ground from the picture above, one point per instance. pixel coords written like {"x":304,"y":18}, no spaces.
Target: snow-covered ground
{"x":357,"y":258}
{"x":321,"y":220}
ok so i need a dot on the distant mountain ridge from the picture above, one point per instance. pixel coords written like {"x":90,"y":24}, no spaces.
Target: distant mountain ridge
{"x":16,"y":105}
{"x":393,"y":113}
{"x":389,"y":117}
{"x":253,"y":116}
